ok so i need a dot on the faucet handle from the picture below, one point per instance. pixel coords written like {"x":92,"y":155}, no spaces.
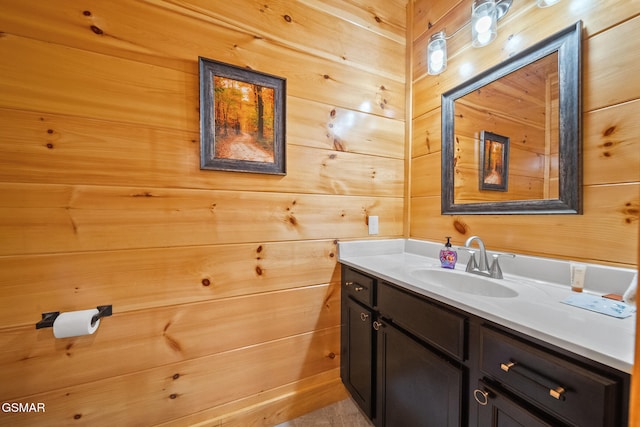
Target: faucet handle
{"x":472,"y":264}
{"x":495,"y":271}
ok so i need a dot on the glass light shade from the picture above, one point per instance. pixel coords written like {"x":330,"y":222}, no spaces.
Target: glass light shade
{"x":484,"y":22}
{"x":547,"y":3}
{"x":437,"y":53}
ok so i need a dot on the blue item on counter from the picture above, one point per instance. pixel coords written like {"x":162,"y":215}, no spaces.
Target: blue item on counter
{"x":601,"y":305}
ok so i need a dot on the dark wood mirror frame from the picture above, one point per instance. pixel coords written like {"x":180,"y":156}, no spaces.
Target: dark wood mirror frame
{"x":568,"y":45}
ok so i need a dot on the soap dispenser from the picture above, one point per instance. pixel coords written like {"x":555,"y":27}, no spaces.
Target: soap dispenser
{"x":448,"y":256}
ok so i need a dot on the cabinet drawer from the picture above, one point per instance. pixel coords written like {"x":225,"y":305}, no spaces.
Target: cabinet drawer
{"x":358,"y":286}
{"x":570,"y":392}
{"x":442,"y":328}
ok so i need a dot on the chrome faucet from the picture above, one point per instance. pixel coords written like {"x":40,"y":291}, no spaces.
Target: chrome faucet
{"x":482,"y":267}
{"x":473,"y":266}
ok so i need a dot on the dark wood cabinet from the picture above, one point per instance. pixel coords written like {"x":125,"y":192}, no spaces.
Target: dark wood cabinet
{"x":415,"y":386}
{"x":409,"y":360}
{"x":498,"y":410}
{"x":356,"y":363}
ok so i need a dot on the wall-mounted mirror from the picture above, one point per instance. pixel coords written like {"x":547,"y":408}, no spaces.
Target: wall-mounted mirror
{"x":512,"y":136}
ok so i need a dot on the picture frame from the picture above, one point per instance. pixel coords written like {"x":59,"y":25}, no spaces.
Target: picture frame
{"x":494,"y":162}
{"x":242,"y":119}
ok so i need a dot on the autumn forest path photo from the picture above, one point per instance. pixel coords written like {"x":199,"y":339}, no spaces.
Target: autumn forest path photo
{"x":242,"y":146}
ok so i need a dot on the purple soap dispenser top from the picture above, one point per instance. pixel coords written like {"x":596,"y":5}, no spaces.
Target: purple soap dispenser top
{"x":448,"y":256}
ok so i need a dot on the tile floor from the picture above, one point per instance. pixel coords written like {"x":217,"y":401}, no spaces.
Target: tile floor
{"x":341,"y":414}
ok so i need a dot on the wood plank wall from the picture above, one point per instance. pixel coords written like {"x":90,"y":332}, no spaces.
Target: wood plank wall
{"x":224,"y":285}
{"x":607,"y":232}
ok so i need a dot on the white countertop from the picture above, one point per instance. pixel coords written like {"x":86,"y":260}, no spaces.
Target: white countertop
{"x":537,"y":311}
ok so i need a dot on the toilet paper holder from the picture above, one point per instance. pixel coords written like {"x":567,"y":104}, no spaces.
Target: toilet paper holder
{"x":50,"y":317}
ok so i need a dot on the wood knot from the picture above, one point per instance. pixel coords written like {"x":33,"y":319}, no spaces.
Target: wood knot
{"x":50,"y":146}
{"x":332,"y":355}
{"x":77,"y":416}
{"x":176,"y":376}
{"x":287,"y":18}
{"x":326,"y":76}
{"x":205,"y":282}
{"x":259,"y":249}
{"x":258,"y":270}
{"x":86,"y":13}
{"x":97,"y":30}
{"x":293,"y":220}
{"x":333,"y":113}
{"x":460,"y":226}
{"x":377,"y":18}
{"x":173,"y":396}
{"x":332,"y":156}
{"x":50,"y":131}
{"x":609,"y":131}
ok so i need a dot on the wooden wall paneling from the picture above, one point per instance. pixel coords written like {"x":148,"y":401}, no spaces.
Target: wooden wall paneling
{"x":61,"y":149}
{"x":159,"y":336}
{"x":374,"y":15}
{"x":427,"y":14}
{"x":319,"y":125}
{"x":157,"y":277}
{"x":81,"y":218}
{"x":602,"y":236}
{"x":601,"y":81}
{"x":163,"y":393}
{"x":297,"y":27}
{"x":63,"y":80}
{"x":427,"y":134}
{"x":158,"y":33}
{"x":273,"y":406}
{"x":610,"y":144}
{"x":425,"y":175}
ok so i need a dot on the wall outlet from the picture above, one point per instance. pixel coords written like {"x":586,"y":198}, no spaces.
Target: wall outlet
{"x":373,"y":224}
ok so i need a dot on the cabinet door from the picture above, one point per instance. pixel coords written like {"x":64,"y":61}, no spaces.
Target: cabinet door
{"x":497,"y":410}
{"x":415,"y":386}
{"x":356,"y":368}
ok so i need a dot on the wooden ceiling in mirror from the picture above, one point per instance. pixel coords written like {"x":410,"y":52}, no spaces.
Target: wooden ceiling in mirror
{"x":533,"y":102}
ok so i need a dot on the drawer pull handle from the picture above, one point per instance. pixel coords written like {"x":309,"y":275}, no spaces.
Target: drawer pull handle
{"x":481,"y":396}
{"x":506,"y":366}
{"x":357,"y":287}
{"x":364,"y":316}
{"x":555,"y":391}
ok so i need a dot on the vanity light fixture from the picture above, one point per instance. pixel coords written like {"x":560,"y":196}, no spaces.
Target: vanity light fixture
{"x":484,"y":22}
{"x":437,"y":53}
{"x":485,"y":15}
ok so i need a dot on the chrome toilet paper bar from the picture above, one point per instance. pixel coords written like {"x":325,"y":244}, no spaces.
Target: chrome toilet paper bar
{"x":49,"y":317}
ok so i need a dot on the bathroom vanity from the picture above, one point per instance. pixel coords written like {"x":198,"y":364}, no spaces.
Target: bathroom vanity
{"x":415,"y":352}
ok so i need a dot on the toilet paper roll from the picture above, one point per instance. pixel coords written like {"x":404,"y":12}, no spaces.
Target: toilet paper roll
{"x":75,"y":324}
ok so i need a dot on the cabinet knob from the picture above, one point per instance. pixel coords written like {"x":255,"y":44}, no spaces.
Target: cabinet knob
{"x":481,"y":396}
{"x":376,"y":325}
{"x":364,"y":316}
{"x":356,"y":286}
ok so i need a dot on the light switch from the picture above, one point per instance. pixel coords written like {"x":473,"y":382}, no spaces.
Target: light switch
{"x":373,"y":224}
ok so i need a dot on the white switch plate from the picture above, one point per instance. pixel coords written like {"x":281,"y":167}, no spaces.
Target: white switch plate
{"x":373,"y":224}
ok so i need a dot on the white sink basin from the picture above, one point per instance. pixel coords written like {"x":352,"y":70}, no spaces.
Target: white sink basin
{"x":464,"y":282}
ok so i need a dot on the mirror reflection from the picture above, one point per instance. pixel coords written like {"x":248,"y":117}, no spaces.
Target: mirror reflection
{"x":512,"y":136}
{"x":506,"y":145}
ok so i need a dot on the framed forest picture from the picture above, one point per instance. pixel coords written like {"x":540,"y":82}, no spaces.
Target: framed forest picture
{"x":242,"y":119}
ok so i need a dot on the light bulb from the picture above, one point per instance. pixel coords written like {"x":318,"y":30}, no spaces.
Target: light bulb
{"x":484,"y":21}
